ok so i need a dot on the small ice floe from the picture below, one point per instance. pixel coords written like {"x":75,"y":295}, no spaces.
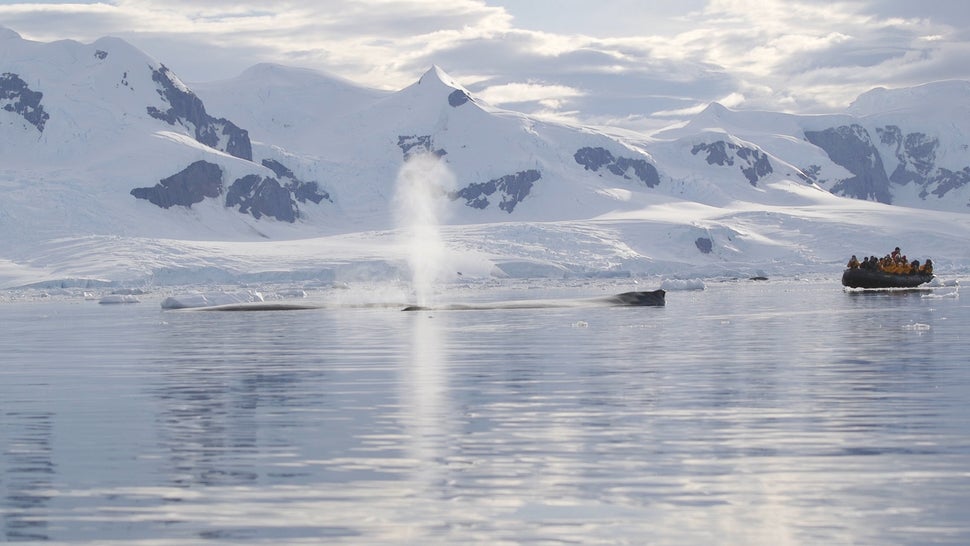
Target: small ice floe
{"x":298,"y":293}
{"x":672,"y":285}
{"x":938,"y":296}
{"x":128,"y":292}
{"x":581,"y":324}
{"x":210,"y":299}
{"x":53,"y":292}
{"x":119,"y":298}
{"x":916,"y":327}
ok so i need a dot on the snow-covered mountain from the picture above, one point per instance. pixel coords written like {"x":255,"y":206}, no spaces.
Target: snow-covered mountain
{"x":111,"y":167}
{"x":907,"y":146}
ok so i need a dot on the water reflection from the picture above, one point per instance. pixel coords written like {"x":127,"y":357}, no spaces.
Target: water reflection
{"x":740,"y":415}
{"x":223,"y":397}
{"x":426,"y":409}
{"x":28,"y":475}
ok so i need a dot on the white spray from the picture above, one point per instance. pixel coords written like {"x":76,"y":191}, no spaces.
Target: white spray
{"x":423,"y":183}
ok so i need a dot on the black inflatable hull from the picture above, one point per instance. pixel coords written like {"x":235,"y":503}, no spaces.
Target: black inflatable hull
{"x":867,"y":278}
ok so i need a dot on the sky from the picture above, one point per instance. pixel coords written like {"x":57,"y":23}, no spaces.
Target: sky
{"x":633,"y":64}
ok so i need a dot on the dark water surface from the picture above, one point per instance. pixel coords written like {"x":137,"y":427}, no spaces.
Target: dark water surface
{"x":780,"y":412}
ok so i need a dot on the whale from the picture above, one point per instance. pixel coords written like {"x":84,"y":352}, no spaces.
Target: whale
{"x":649,"y":298}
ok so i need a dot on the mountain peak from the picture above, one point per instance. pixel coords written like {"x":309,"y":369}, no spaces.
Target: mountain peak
{"x":436,"y":83}
{"x":715,"y":110}
{"x":436,"y":75}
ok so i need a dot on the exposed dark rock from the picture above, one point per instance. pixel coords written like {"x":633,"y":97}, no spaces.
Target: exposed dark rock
{"x":260,"y":196}
{"x":592,"y":159}
{"x":302,"y":191}
{"x":754,"y":164}
{"x":757,"y":165}
{"x":101,"y":54}
{"x":811,"y":174}
{"x":458,"y":97}
{"x":17,"y":97}
{"x":414,"y":145}
{"x":279,"y":169}
{"x":187,"y":109}
{"x":915,"y":152}
{"x":946,"y":180}
{"x":252,"y":194}
{"x":513,"y":188}
{"x":191,"y":185}
{"x":644,"y":171}
{"x":850,"y":146}
{"x":704,"y":244}
{"x":717,"y":153}
{"x":308,"y":191}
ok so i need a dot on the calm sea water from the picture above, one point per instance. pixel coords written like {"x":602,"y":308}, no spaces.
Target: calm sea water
{"x":780,"y":412}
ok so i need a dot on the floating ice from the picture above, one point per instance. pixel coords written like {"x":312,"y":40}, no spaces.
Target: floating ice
{"x":953,"y":294}
{"x":916,"y":327}
{"x":672,"y":285}
{"x":199,"y":299}
{"x":119,"y":298}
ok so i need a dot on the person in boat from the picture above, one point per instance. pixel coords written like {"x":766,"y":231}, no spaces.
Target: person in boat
{"x":886,"y":264}
{"x":895,"y":253}
{"x":853,"y":262}
{"x":914,"y":268}
{"x":927,"y":268}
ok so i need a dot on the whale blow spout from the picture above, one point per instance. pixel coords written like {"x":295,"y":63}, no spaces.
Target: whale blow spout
{"x":422,"y":186}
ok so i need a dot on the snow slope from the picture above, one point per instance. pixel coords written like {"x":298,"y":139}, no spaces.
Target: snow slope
{"x":114,"y":171}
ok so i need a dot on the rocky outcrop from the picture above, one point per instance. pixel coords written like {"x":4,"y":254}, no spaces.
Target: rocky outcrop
{"x":946,"y":180}
{"x":186,"y":108}
{"x":457,"y":98}
{"x":851,"y":147}
{"x":513,"y":188}
{"x":704,"y":244}
{"x":411,"y":145}
{"x":593,"y":159}
{"x":915,"y":152}
{"x":17,"y":97}
{"x":187,"y":187}
{"x":261,"y":196}
{"x":252,"y":194}
{"x":754,"y":163}
{"x":302,"y":191}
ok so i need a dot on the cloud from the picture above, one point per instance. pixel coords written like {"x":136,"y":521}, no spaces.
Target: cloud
{"x":812,"y":56}
{"x":792,"y":55}
{"x":528,"y":92}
